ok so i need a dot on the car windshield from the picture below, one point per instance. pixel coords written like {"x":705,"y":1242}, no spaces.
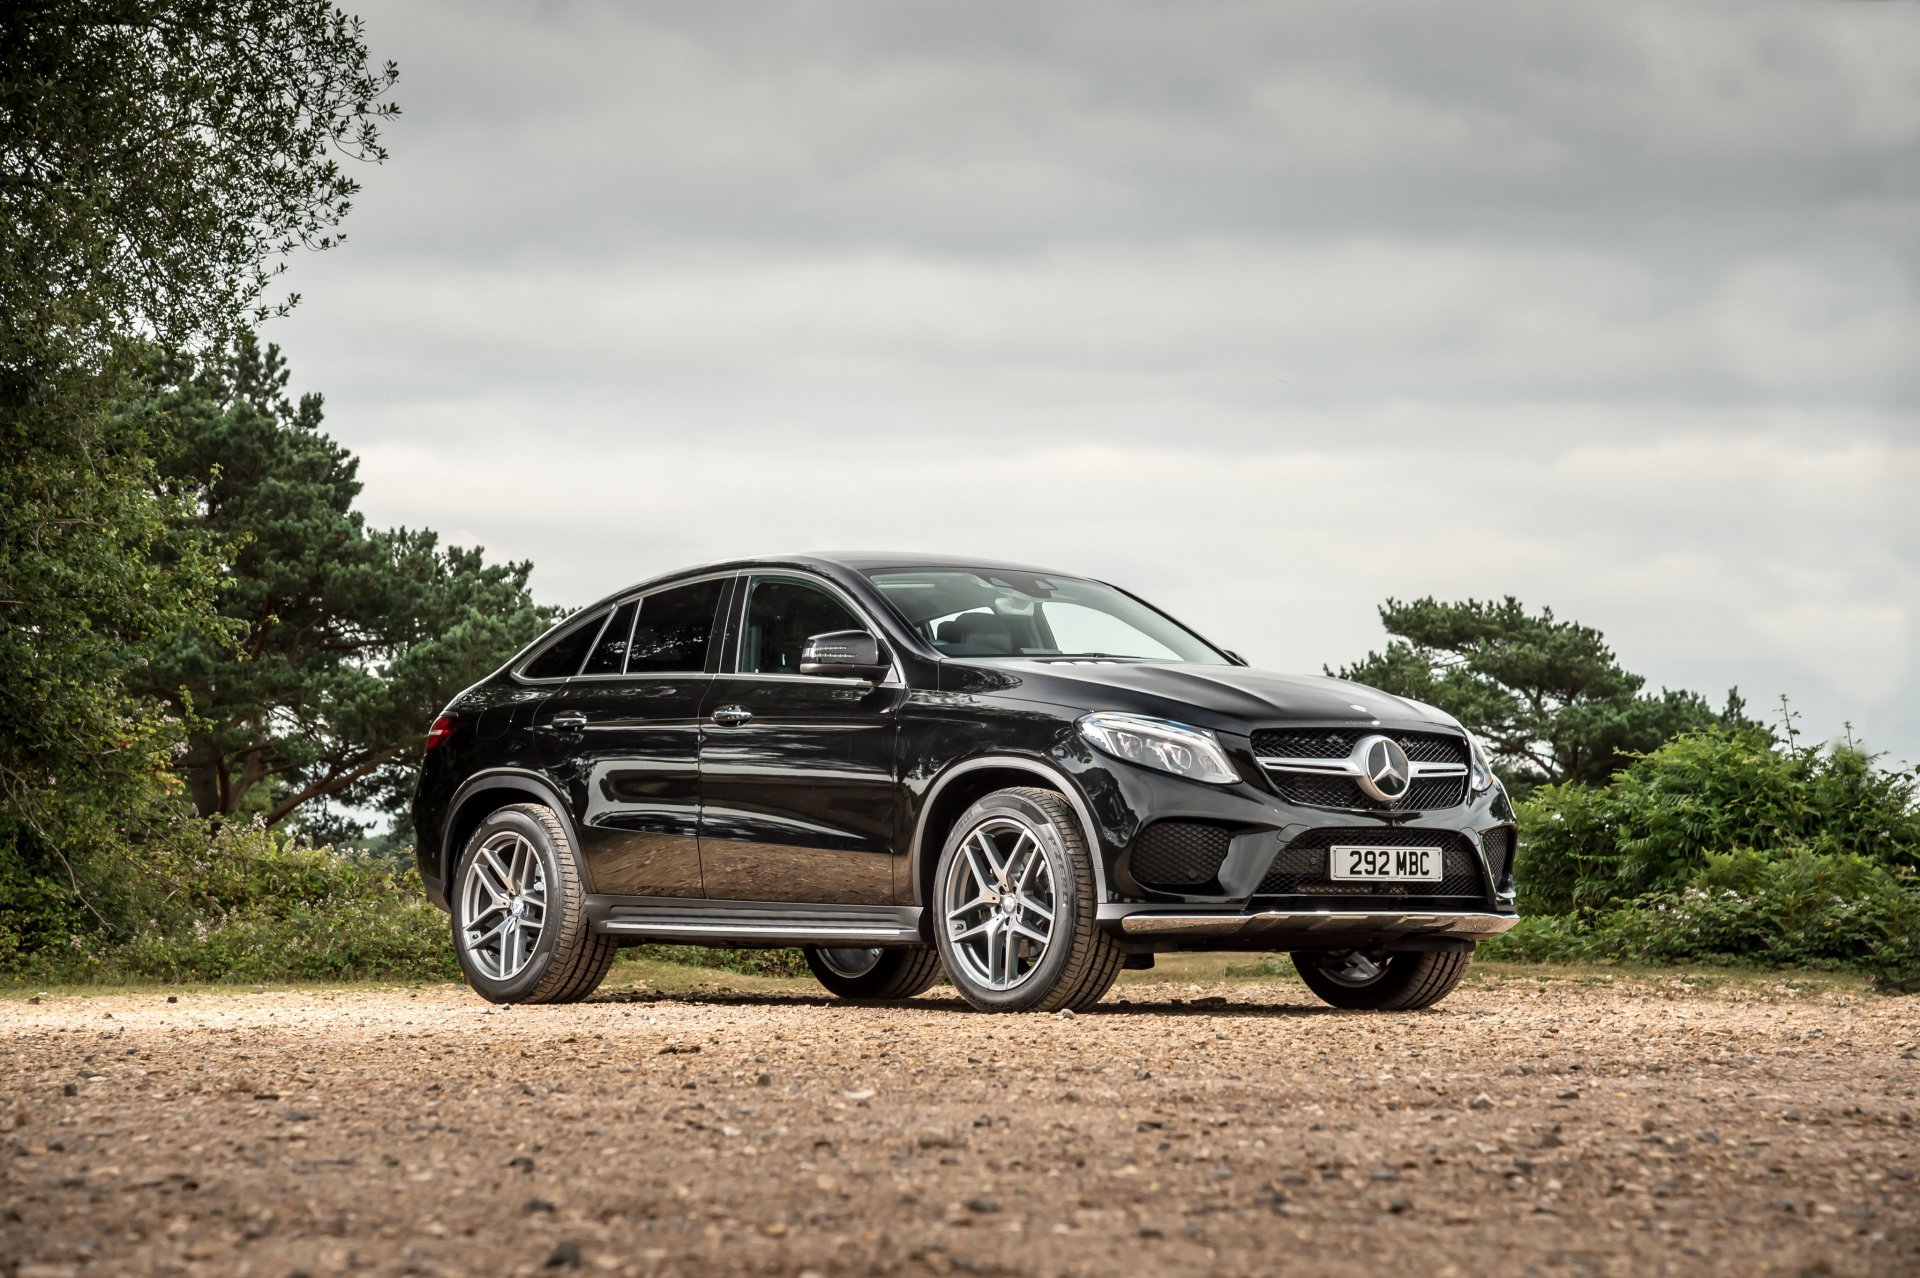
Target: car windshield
{"x":996,"y":612}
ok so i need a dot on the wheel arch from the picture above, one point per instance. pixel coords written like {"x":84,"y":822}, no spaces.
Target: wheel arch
{"x":964,"y":783}
{"x":487,"y":792}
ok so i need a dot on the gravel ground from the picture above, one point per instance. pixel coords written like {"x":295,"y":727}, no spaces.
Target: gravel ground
{"x":1527,"y":1127}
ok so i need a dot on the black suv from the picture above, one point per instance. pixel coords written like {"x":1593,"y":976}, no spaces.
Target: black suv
{"x":908,"y":764}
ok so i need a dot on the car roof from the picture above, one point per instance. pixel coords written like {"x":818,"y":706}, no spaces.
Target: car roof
{"x":847,"y":561}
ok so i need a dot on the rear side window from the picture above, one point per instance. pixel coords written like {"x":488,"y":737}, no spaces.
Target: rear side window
{"x":561,"y":659}
{"x":674,"y":627}
{"x":609,"y":655}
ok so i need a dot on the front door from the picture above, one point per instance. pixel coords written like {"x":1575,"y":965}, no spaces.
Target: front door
{"x":623,"y":738}
{"x":797,"y":773}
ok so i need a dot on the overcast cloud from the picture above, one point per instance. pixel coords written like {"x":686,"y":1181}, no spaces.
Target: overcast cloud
{"x":1267,"y":311}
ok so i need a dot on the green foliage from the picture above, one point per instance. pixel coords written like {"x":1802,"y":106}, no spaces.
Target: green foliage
{"x":158,"y":161}
{"x":1547,"y":696}
{"x":349,"y":638}
{"x":1654,"y":826}
{"x":250,"y":904}
{"x":1793,"y":909}
{"x":93,"y":570}
{"x":1725,"y":846}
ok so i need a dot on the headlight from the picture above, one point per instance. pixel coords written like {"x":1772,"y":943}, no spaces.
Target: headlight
{"x":1159,"y":743}
{"x":1483,"y":777}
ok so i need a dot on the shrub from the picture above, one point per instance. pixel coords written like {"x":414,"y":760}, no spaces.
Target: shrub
{"x":1797,"y":908}
{"x":1655,"y":824}
{"x":250,"y":904}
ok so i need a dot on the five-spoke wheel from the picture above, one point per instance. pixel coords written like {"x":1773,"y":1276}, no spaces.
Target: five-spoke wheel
{"x":520,"y":927}
{"x":504,"y":903}
{"x":1015,"y":904}
{"x":999,"y":903}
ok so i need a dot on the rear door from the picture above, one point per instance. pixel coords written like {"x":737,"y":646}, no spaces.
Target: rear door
{"x":622,"y":737}
{"x":798,"y":780}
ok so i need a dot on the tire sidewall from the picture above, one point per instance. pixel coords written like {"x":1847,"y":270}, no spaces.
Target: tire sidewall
{"x":1067,"y":903}
{"x":530,"y":976}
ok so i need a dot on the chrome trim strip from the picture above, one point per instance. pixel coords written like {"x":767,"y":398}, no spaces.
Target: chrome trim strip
{"x":803,"y":924}
{"x":1463,"y":923}
{"x":1353,"y":768}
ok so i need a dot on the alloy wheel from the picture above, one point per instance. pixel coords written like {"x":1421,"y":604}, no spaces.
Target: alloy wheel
{"x":999,"y":902}
{"x":504,"y":905}
{"x":849,"y":962}
{"x":1352,"y":968}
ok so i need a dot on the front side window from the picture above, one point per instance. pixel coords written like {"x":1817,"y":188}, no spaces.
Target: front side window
{"x":782,"y":614}
{"x":671,"y":634}
{"x":561,"y":658}
{"x":994,"y":612}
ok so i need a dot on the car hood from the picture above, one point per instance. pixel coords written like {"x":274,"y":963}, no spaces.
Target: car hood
{"x":1232,"y":698}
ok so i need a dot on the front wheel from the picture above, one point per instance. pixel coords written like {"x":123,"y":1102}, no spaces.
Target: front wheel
{"x":874,"y":973}
{"x":1391,"y":983}
{"x":1015,"y":907}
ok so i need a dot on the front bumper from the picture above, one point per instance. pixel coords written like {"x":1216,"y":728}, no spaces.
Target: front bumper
{"x":1306,"y":929}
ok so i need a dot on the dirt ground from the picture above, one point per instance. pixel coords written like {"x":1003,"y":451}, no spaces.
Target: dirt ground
{"x":1190,"y":1124}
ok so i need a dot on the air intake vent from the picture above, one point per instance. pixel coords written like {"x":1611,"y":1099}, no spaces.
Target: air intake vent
{"x":1499,"y":845}
{"x":1179,"y":855}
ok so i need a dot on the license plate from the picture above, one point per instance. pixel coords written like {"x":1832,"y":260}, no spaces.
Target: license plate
{"x":1378,"y":865}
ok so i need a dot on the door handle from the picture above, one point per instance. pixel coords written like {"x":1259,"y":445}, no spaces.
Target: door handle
{"x":571,"y":721}
{"x":732,"y":715}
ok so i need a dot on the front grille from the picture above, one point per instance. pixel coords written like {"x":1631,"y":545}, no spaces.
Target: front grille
{"x":1179,"y":854}
{"x":1499,"y":844}
{"x":1301,"y":867}
{"x":1337,"y":743}
{"x":1344,"y":792}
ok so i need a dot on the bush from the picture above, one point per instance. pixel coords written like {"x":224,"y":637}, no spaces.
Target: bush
{"x":1655,"y":824}
{"x":1723,"y":847}
{"x":250,"y":904}
{"x":1797,"y":909}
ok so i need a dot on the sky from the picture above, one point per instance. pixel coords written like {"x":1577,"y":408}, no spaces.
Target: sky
{"x":1267,"y":312}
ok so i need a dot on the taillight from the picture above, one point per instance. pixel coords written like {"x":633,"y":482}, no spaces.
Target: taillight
{"x":442,"y":729}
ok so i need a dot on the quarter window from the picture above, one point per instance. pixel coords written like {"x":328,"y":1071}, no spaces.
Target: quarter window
{"x":561,"y":658}
{"x":671,"y":634}
{"x":781,"y":615}
{"x":609,"y":655}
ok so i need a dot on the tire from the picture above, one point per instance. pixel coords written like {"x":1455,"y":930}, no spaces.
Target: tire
{"x":985,"y":926}
{"x":875,"y":973}
{"x":1401,"y":983}
{"x":529,"y":868}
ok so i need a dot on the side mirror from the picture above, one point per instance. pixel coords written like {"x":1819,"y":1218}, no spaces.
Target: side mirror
{"x":1235,"y":657}
{"x":844,"y":654}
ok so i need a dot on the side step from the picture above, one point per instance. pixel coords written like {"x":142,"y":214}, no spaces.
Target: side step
{"x":755,"y":923}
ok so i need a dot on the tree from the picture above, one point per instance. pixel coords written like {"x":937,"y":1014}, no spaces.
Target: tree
{"x":348,"y":638}
{"x":157,"y":162}
{"x":1547,"y":696}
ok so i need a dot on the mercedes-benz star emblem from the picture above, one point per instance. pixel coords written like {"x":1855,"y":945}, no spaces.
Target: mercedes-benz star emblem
{"x":1384,"y":772}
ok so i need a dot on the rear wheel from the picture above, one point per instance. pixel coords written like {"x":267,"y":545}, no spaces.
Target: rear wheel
{"x":1015,"y":907}
{"x":520,"y":926}
{"x":1390,"y":983}
{"x":874,"y":973}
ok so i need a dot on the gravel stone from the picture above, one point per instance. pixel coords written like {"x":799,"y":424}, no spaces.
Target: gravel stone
{"x":1679,"y":1160}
